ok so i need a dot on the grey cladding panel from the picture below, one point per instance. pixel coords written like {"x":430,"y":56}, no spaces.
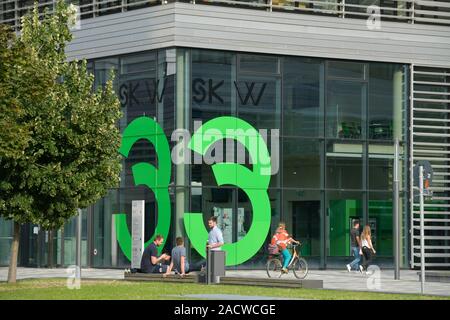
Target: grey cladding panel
{"x":213,"y":27}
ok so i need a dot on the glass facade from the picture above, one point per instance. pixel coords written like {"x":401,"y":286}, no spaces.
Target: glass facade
{"x":329,"y":126}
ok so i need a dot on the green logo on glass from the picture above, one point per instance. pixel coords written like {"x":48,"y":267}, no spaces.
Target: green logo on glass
{"x":254,"y":182}
{"x":146,"y":174}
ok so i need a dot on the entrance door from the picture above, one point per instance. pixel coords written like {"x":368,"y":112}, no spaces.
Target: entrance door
{"x":342,"y":208}
{"x":306,"y":226}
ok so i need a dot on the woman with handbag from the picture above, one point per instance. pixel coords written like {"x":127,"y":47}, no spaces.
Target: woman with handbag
{"x":367,"y":248}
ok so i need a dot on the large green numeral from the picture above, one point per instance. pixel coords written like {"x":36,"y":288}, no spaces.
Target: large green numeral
{"x":253,"y":182}
{"x":156,"y":179}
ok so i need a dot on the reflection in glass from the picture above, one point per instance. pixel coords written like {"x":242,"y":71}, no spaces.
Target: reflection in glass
{"x":139,"y":88}
{"x":212,"y":86}
{"x":104,"y":239}
{"x":380,"y":221}
{"x":303,"y":97}
{"x":259,"y":101}
{"x":343,"y":208}
{"x":257,"y":63}
{"x":344,"y":165}
{"x":345,"y":69}
{"x":380,"y":174}
{"x":214,"y":202}
{"x":6,"y":236}
{"x":301,"y":163}
{"x":244,"y":222}
{"x":346,"y":105}
{"x":386,"y":99}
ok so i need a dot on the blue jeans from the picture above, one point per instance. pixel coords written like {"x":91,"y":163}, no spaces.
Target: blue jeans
{"x":286,"y":257}
{"x":357,"y":261}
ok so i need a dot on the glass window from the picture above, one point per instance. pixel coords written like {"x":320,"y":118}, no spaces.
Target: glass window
{"x":6,"y":236}
{"x":166,"y":90}
{"x":70,"y":240}
{"x":245,"y":220}
{"x":141,"y":152}
{"x":380,"y":173}
{"x":259,"y":101}
{"x":386,"y":100}
{"x":303,"y":97}
{"x":214,"y":202}
{"x":228,"y":150}
{"x":380,"y":221}
{"x":346,"y":109}
{"x":330,"y":115}
{"x":201,"y":167}
{"x":212,"y":84}
{"x":258,"y":63}
{"x":301,"y":163}
{"x":139,"y":88}
{"x":342,"y":69}
{"x":103,"y":242}
{"x":344,"y":165}
{"x":102,"y":69}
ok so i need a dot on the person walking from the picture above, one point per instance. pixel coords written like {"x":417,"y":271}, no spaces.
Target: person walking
{"x":355,"y":242}
{"x":367,"y":249}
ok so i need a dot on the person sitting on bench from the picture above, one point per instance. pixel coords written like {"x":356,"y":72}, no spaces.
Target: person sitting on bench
{"x":179,"y":262}
{"x":151,"y":262}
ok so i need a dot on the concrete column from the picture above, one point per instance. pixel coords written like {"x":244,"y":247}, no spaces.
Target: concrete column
{"x":397,"y":104}
{"x":181,"y":115}
{"x":397,"y":121}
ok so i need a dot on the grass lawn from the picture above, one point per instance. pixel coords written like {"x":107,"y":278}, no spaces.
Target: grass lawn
{"x":47,"y":289}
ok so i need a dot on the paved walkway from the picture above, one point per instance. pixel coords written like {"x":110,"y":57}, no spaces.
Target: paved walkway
{"x":355,"y":281}
{"x":332,"y":279}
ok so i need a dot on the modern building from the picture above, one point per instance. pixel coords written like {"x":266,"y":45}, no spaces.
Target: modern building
{"x":334,"y":83}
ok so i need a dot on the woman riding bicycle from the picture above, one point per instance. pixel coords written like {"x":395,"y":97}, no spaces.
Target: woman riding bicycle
{"x":281,"y":238}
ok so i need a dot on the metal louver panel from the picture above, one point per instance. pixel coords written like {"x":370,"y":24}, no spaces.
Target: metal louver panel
{"x":430,"y":140}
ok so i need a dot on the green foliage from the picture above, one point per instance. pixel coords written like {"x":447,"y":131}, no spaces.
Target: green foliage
{"x":67,"y":153}
{"x":16,"y":66}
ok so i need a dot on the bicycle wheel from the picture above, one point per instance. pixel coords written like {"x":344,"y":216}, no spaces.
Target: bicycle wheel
{"x":300,"y":268}
{"x":273,"y":268}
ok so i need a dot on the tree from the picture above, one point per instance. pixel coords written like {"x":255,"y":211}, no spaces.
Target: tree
{"x":13,"y":64}
{"x":66,"y":156}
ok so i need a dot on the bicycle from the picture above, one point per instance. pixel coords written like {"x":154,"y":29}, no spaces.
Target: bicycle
{"x":297,"y":264}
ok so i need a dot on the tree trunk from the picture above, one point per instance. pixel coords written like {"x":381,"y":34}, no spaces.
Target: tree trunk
{"x":12,"y":272}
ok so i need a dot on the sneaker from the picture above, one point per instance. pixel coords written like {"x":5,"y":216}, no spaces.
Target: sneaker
{"x":349,"y":268}
{"x":284,"y":270}
{"x":361,"y":269}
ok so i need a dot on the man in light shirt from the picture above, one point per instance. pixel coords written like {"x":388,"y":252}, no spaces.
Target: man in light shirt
{"x":215,"y":242}
{"x":215,"y":237}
